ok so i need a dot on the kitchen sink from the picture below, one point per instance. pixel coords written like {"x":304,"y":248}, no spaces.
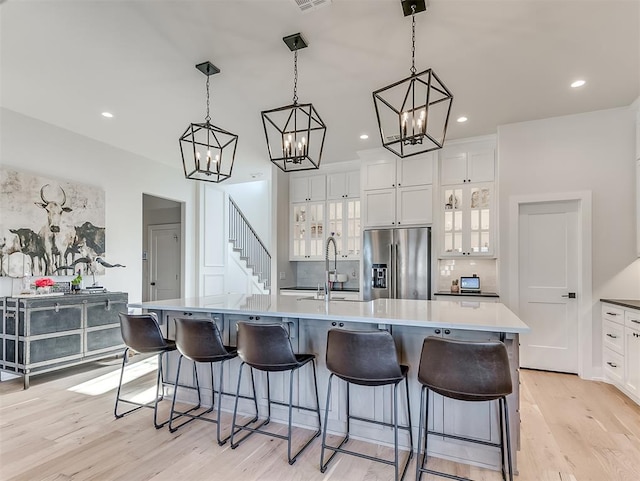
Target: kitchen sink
{"x":337,"y":298}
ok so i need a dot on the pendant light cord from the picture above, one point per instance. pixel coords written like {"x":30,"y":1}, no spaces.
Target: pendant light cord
{"x":295,"y":75}
{"x":208,"y":117}
{"x":413,"y":39}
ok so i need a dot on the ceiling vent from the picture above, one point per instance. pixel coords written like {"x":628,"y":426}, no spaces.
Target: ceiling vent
{"x":307,"y":6}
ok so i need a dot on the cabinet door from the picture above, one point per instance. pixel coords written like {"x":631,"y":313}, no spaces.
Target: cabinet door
{"x":299,"y":189}
{"x":481,"y":166}
{"x":453,"y":168}
{"x":452,"y":201}
{"x":352,"y":229}
{"x":298,"y":246}
{"x":632,"y":361}
{"x":317,"y":188}
{"x":343,"y":222}
{"x":415,"y":205}
{"x":379,"y":174}
{"x":379,"y":207}
{"x":307,"y":188}
{"x":417,"y":170}
{"x":336,"y":185}
{"x":480,"y":201}
{"x":353,"y":184}
{"x":316,"y":231}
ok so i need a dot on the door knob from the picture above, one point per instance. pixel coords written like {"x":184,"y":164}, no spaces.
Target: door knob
{"x":571,"y":295}
{"x":153,"y":283}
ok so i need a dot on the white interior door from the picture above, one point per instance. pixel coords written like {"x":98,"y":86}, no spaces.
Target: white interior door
{"x":164,"y":258}
{"x":548,"y":280}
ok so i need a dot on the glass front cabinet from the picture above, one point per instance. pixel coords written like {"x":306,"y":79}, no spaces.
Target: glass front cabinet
{"x":343,"y":222}
{"x":468,"y":223}
{"x":307,"y":231}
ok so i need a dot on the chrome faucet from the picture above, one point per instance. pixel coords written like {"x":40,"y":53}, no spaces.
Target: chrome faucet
{"x":327,"y":285}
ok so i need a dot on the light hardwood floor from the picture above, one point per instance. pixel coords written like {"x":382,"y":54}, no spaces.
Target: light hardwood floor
{"x":571,"y":430}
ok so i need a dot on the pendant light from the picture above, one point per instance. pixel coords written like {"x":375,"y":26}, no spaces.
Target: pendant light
{"x":413,"y":113}
{"x":295,"y":133}
{"x":207,"y":151}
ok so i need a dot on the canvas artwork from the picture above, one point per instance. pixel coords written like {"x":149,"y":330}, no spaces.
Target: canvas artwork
{"x":49,"y":227}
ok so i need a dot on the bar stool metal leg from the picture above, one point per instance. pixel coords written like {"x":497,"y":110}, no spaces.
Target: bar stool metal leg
{"x":172,"y":415}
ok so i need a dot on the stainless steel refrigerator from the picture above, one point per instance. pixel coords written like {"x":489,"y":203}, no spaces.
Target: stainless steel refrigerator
{"x":396,"y":263}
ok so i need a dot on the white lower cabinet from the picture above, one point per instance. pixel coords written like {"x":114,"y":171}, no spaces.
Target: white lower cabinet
{"x":621,"y":348}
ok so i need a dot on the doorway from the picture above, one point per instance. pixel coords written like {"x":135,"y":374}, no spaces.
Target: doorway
{"x":550,"y":262}
{"x":163,"y":249}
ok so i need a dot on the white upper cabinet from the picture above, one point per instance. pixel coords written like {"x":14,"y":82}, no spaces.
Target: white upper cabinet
{"x":343,"y":185}
{"x":310,"y":188}
{"x":398,"y":191}
{"x":467,"y":162}
{"x":379,"y":174}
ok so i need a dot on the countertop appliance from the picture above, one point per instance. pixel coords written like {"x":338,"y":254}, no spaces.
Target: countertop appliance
{"x":396,"y":263}
{"x":469,"y":284}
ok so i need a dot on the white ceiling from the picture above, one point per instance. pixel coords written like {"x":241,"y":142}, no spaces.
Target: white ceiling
{"x":505,"y":61}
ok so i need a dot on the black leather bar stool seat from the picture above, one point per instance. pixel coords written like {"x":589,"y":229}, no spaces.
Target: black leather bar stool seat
{"x":366,"y":358}
{"x":472,"y":371}
{"x":141,"y":333}
{"x":267,"y":348}
{"x":199,"y":340}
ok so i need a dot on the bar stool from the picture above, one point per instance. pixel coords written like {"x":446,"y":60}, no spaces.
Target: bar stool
{"x":467,"y":371}
{"x":199,"y":340}
{"x":266,"y":347}
{"x":141,"y":333}
{"x":366,"y":358}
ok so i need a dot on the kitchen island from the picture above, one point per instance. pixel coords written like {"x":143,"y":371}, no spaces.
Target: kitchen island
{"x":409,"y":321}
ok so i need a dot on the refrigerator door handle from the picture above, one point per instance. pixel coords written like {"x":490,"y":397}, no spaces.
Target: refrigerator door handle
{"x":391,"y":273}
{"x":395,"y":271}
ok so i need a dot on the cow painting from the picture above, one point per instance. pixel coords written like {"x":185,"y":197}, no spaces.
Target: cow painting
{"x":55,"y":236}
{"x":47,"y":224}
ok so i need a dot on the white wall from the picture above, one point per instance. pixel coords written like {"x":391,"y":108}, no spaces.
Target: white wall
{"x":587,"y":152}
{"x":31,"y":145}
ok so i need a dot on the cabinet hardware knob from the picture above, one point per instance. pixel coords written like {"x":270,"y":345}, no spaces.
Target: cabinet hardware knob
{"x":612,"y":364}
{"x":333,"y":323}
{"x":447,"y":331}
{"x":341,"y":324}
{"x":393,"y":185}
{"x":437,"y":331}
{"x":57,"y":307}
{"x":257,"y":318}
{"x":251,"y":318}
{"x":399,"y":184}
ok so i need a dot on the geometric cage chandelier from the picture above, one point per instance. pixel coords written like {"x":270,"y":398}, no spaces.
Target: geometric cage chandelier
{"x":208,"y":152}
{"x":295,"y":133}
{"x":413,"y":113}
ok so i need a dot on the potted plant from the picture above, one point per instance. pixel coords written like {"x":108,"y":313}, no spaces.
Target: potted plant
{"x":43,"y":285}
{"x":75,"y":283}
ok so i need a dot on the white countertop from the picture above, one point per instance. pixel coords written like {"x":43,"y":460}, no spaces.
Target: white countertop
{"x":476,"y":316}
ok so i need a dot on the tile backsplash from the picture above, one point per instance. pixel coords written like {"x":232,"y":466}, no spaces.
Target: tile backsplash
{"x":310,"y":274}
{"x":485,"y":269}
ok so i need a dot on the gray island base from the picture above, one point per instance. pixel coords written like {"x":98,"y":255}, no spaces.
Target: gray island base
{"x":409,"y":321}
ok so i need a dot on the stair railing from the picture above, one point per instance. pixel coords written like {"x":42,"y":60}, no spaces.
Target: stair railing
{"x":248,"y":244}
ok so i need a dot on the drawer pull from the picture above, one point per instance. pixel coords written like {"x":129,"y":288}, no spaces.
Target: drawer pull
{"x":612,"y":313}
{"x":612,"y":336}
{"x":612,"y":364}
{"x":107,"y":306}
{"x":635,"y":320}
{"x":57,"y":307}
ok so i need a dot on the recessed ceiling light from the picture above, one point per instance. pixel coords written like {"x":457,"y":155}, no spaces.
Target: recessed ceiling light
{"x":108,"y":115}
{"x":578,"y":83}
{"x":462,"y":119}
{"x":364,"y":136}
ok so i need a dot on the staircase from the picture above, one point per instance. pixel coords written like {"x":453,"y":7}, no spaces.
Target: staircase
{"x":248,"y":245}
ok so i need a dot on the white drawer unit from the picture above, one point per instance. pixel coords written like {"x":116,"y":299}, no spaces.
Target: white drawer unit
{"x":614,"y":366}
{"x":613,"y":336}
{"x":621,"y":347}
